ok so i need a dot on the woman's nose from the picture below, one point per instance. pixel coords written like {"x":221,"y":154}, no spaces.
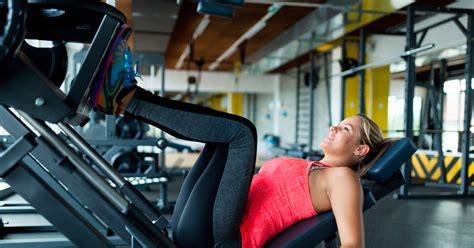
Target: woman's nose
{"x":333,"y":129}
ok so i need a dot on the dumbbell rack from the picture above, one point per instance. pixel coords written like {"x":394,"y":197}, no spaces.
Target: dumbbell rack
{"x":155,"y":174}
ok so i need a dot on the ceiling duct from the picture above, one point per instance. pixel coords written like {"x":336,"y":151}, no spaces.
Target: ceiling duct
{"x":327,"y":23}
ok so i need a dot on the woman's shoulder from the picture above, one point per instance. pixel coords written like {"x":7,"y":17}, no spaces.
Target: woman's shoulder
{"x":340,"y":175}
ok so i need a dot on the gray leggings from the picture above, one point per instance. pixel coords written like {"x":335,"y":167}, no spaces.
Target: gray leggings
{"x":211,"y":202}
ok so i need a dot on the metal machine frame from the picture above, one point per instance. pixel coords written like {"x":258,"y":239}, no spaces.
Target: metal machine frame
{"x":412,"y":42}
{"x":98,"y":189}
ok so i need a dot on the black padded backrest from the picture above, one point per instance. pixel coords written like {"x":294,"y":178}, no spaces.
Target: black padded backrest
{"x":391,"y":160}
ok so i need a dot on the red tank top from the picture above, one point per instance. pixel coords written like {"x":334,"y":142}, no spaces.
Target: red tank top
{"x":279,"y":197}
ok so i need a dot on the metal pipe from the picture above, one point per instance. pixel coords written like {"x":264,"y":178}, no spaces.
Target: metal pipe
{"x":103,"y":164}
{"x":162,"y":134}
{"x":89,"y":174}
{"x":425,"y":109}
{"x":385,"y":60}
{"x":423,"y":35}
{"x":398,"y":33}
{"x":461,"y":27}
{"x":297,"y":119}
{"x":361,"y":54}
{"x":437,"y":10}
{"x":409,"y":92}
{"x":440,"y":108}
{"x":137,"y":199}
{"x":343,"y":81}
{"x":312,"y":4}
{"x":152,"y":76}
{"x":469,"y":72}
{"x":328,"y":84}
{"x":110,"y":127}
{"x":311,"y":100}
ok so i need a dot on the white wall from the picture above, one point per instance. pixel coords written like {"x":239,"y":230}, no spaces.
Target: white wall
{"x":264,"y":122}
{"x":321,"y":110}
{"x":177,"y":80}
{"x":287,"y":111}
{"x":336,"y":86}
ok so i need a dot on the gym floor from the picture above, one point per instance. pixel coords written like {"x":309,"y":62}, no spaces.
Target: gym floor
{"x":420,"y":223}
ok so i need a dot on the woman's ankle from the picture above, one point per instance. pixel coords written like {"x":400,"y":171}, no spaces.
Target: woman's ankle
{"x":124,"y":101}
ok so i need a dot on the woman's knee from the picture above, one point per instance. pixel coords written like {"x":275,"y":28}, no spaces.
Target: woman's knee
{"x":247,"y":130}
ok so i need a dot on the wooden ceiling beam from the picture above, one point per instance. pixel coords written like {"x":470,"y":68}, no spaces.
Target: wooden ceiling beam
{"x":221,"y":33}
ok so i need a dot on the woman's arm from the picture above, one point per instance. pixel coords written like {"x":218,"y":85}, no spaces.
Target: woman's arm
{"x":346,"y":197}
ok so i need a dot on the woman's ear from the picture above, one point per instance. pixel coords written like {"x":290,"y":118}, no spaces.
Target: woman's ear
{"x":362,"y":150}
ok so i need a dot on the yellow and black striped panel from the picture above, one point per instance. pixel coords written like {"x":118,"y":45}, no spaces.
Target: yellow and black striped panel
{"x":426,"y":166}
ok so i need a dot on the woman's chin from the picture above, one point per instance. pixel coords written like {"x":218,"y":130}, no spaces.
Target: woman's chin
{"x":323,"y":144}
{"x":325,"y":141}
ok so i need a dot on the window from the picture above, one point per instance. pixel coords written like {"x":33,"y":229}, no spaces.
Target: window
{"x":396,"y":115}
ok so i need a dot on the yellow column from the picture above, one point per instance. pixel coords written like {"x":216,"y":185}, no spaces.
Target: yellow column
{"x":236,"y":104}
{"x":377,"y":85}
{"x":215,"y":102}
{"x":352,"y":84}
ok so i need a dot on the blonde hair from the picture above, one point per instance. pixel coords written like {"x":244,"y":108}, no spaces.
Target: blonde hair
{"x":370,"y":135}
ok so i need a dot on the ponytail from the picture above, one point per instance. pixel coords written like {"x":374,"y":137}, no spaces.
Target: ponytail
{"x":368,"y":160}
{"x":372,"y":136}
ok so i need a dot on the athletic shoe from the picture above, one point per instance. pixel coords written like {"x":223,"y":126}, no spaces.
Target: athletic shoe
{"x":116,"y":76}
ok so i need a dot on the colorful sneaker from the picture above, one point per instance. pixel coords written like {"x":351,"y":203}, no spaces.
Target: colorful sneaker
{"x":116,"y":76}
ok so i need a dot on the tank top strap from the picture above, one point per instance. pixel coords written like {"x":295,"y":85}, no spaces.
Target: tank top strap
{"x":316,"y":165}
{"x":321,"y":164}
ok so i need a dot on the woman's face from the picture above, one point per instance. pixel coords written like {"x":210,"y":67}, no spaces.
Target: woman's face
{"x":343,"y":139}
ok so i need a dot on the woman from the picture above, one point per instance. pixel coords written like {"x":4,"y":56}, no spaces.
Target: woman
{"x":287,"y":190}
{"x":219,"y":203}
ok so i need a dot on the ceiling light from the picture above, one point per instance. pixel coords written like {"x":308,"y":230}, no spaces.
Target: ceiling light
{"x":201,"y":27}
{"x":227,"y":53}
{"x":254,"y":30}
{"x":213,"y":66}
{"x":182,"y":57}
